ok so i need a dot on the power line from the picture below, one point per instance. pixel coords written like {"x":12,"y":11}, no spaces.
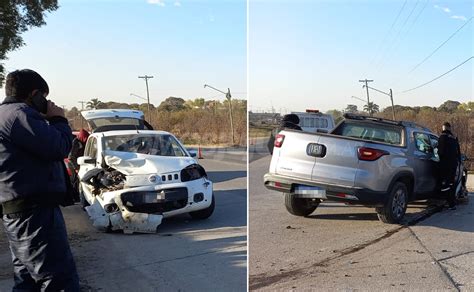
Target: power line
{"x":426,"y":83}
{"x":395,"y":40}
{"x":388,"y":33}
{"x":439,"y":47}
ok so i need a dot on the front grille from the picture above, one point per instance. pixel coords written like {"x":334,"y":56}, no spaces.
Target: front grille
{"x":155,"y":201}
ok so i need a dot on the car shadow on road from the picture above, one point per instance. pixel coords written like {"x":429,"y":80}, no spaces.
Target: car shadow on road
{"x":415,"y":210}
{"x":460,"y":219}
{"x":229,"y":203}
{"x":221,"y":176}
{"x":346,"y":216}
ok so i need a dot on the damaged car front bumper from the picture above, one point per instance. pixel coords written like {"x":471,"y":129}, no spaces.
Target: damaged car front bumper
{"x":141,"y":209}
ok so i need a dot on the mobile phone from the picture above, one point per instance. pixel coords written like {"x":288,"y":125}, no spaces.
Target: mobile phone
{"x":40,"y":103}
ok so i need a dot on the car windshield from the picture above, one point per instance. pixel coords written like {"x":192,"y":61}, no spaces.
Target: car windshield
{"x":161,"y":145}
{"x":371,"y":131}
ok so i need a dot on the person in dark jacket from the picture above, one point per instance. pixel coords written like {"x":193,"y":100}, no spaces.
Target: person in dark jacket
{"x":449,"y":157}
{"x":34,"y":139}
{"x":289,"y":121}
{"x":77,"y":150}
{"x":78,"y":146}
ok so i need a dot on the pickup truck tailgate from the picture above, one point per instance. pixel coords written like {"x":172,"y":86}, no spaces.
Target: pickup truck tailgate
{"x":291,"y":159}
{"x":340,"y":164}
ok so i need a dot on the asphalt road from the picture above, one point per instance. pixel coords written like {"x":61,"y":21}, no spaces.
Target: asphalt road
{"x":184,"y":255}
{"x":347,"y":248}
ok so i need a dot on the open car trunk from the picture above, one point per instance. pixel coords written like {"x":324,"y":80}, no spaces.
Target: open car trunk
{"x":115,"y":119}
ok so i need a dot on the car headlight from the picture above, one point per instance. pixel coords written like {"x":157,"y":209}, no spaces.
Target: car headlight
{"x":192,"y":172}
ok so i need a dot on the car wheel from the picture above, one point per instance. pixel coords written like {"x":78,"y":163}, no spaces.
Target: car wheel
{"x":82,"y":199}
{"x":396,"y":206}
{"x":300,"y":206}
{"x":204,"y":213}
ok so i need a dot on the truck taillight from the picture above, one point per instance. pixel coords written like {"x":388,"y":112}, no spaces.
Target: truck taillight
{"x":279,"y":140}
{"x":370,"y":154}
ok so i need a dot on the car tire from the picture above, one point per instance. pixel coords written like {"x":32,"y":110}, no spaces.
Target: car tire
{"x":204,"y":213}
{"x":300,"y":206}
{"x":396,"y":206}
{"x":82,"y":199}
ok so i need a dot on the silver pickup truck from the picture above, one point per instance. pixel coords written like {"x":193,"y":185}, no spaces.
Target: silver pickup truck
{"x":365,"y":161}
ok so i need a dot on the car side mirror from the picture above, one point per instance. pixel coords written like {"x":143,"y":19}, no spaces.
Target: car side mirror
{"x":193,"y":153}
{"x":86,"y":160}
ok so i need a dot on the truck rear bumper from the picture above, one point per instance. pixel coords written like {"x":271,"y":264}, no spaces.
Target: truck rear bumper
{"x":345,"y":194}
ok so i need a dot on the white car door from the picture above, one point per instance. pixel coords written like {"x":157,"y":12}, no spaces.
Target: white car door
{"x":90,"y":152}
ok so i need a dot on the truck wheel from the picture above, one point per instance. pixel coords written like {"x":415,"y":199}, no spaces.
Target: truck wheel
{"x":396,"y":206}
{"x":300,"y":206}
{"x":204,"y":213}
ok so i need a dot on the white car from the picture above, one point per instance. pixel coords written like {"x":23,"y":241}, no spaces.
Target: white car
{"x":131,"y":179}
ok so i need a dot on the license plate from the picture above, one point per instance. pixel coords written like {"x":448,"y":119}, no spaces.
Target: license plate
{"x":310,"y":192}
{"x":161,"y":196}
{"x":153,"y":197}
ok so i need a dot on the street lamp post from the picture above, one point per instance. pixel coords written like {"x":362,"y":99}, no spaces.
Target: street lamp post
{"x":146,"y":77}
{"x":228,"y":96}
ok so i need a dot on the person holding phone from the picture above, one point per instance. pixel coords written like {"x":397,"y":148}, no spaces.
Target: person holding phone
{"x":34,"y":139}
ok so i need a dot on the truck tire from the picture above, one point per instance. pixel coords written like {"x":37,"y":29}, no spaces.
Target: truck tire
{"x":300,"y":206}
{"x":396,"y":205}
{"x":204,"y":213}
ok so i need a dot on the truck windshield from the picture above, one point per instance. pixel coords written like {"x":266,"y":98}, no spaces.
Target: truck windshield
{"x":370,"y":131}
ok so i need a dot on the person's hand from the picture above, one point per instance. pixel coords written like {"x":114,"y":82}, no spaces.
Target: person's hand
{"x":54,"y":110}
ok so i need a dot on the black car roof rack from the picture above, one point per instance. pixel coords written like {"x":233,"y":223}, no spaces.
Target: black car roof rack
{"x":362,"y":117}
{"x":382,"y":120}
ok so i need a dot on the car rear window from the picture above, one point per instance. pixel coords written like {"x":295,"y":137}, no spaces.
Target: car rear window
{"x":370,"y":131}
{"x":119,"y":123}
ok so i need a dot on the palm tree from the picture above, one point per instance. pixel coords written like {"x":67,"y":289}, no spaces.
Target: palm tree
{"x":93,"y":103}
{"x":371,"y":108}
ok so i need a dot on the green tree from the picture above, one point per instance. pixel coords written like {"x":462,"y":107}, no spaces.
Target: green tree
{"x":449,"y":106}
{"x":93,"y":103}
{"x":351,"y":108}
{"x":371,"y":108}
{"x":467,"y":106}
{"x":172,"y":104}
{"x":337,"y":115}
{"x":16,"y":17}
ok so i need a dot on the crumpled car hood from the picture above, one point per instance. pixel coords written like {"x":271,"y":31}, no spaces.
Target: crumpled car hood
{"x":136,"y":163}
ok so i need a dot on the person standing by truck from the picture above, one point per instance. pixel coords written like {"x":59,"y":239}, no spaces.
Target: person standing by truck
{"x":449,"y":157}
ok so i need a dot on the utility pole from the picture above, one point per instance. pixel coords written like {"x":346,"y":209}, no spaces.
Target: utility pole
{"x":390,"y":94}
{"x":146,"y":77}
{"x":228,"y":96}
{"x":82,"y":108}
{"x":393,"y":108}
{"x":368,"y":100}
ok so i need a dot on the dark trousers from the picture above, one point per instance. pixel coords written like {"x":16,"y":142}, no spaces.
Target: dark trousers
{"x":451,"y":195}
{"x":42,"y":259}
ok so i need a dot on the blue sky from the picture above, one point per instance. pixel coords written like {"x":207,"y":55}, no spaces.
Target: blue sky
{"x":311,"y":54}
{"x":97,"y":49}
